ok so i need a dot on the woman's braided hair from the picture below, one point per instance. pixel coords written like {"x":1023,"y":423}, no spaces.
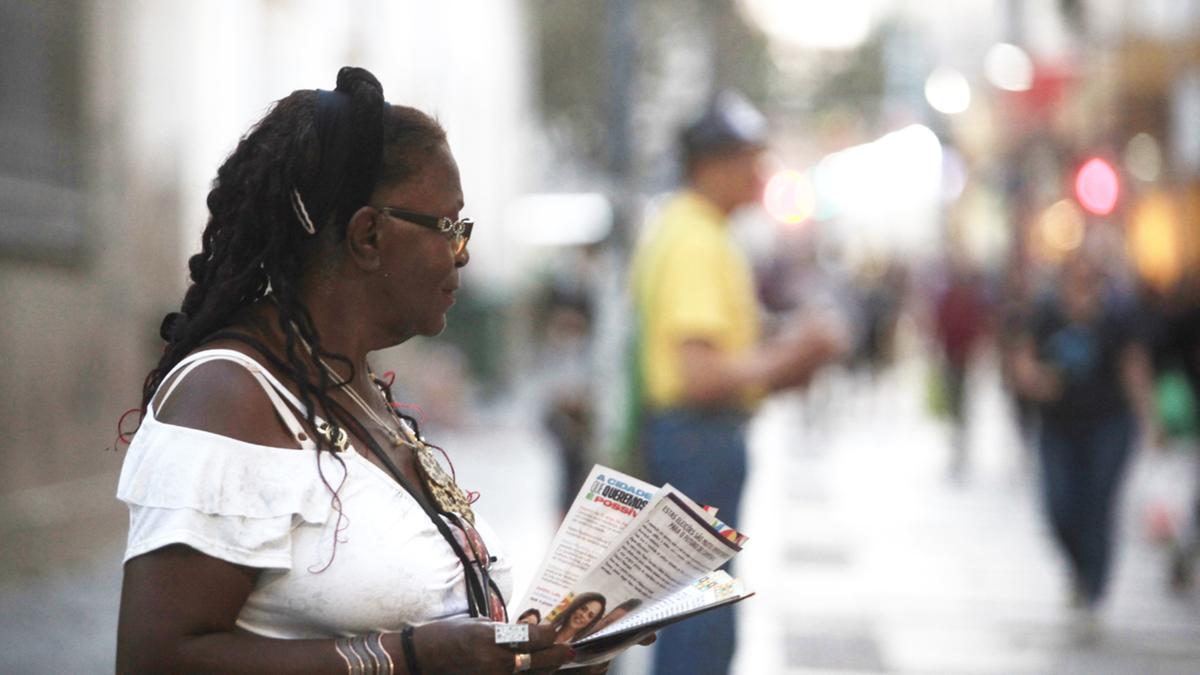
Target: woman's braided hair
{"x":254,"y":242}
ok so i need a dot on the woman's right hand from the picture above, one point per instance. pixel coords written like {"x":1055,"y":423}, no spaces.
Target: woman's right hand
{"x":469,"y":646}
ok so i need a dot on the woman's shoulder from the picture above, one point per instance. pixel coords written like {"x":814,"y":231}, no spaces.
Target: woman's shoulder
{"x":223,"y":396}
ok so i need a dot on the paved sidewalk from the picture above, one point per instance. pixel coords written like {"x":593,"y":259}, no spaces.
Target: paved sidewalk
{"x":60,"y":577}
{"x":869,"y":558}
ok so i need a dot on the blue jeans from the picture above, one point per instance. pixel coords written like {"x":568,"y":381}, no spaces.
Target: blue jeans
{"x":1082,"y":467}
{"x":703,"y":453}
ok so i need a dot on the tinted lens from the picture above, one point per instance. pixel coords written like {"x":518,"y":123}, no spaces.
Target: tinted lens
{"x":462,"y":234}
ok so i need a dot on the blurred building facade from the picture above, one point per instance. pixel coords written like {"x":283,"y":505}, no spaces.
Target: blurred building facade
{"x":115,"y":118}
{"x":89,"y":219}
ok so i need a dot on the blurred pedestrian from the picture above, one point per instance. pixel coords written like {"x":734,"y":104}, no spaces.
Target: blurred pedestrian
{"x":1082,"y":363}
{"x":960,"y":322}
{"x":1181,"y":347}
{"x":700,"y":358}
{"x":880,"y":286}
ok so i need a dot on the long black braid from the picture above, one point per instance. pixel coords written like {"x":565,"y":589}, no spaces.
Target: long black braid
{"x":255,"y":242}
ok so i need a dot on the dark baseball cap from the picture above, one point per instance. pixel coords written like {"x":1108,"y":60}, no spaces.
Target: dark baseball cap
{"x":729,"y":123}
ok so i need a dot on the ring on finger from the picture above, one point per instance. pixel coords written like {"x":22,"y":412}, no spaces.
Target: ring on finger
{"x":522,"y":662}
{"x":510,"y":633}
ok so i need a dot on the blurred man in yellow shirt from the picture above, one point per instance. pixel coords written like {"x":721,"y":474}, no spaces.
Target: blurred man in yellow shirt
{"x":702,"y":362}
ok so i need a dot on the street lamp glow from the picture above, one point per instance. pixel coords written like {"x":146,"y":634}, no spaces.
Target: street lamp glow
{"x":1008,"y":67}
{"x":948,"y":91}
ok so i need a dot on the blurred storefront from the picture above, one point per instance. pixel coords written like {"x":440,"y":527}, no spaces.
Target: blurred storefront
{"x":1102,"y":144}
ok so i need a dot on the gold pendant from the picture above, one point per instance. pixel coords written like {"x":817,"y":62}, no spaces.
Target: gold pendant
{"x":442,"y":488}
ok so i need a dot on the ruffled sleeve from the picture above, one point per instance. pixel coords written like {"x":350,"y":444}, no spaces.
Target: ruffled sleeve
{"x":232,"y":500}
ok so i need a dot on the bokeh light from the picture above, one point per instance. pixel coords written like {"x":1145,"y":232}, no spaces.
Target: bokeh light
{"x":1143,"y":158}
{"x":954,"y":174}
{"x":1154,"y":240}
{"x":789,"y":197}
{"x":948,"y":91}
{"x":1008,"y":67}
{"x":1060,"y":229}
{"x":898,"y":171}
{"x":1097,"y":186}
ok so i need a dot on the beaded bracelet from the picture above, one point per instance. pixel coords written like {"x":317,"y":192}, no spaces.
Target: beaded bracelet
{"x":410,"y":652}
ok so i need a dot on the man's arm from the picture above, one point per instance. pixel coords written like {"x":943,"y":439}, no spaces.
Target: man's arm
{"x":712,"y":378}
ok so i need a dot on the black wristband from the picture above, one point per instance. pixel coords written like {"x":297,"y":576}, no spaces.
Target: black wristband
{"x":410,"y":652}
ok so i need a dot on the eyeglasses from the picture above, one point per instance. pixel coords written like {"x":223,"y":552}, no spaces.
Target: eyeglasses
{"x":457,"y":231}
{"x":481,"y":563}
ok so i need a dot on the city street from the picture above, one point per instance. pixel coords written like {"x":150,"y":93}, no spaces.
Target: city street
{"x":866,"y":556}
{"x":869,"y":558}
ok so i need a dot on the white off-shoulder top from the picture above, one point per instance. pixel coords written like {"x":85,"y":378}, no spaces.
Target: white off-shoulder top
{"x":273,"y":508}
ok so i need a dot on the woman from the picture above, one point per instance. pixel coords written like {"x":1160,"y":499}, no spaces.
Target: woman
{"x":1082,"y":363}
{"x":579,"y":616}
{"x":283,"y":516}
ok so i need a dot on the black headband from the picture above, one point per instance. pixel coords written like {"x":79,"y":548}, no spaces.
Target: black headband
{"x":333,"y":121}
{"x":350,"y":147}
